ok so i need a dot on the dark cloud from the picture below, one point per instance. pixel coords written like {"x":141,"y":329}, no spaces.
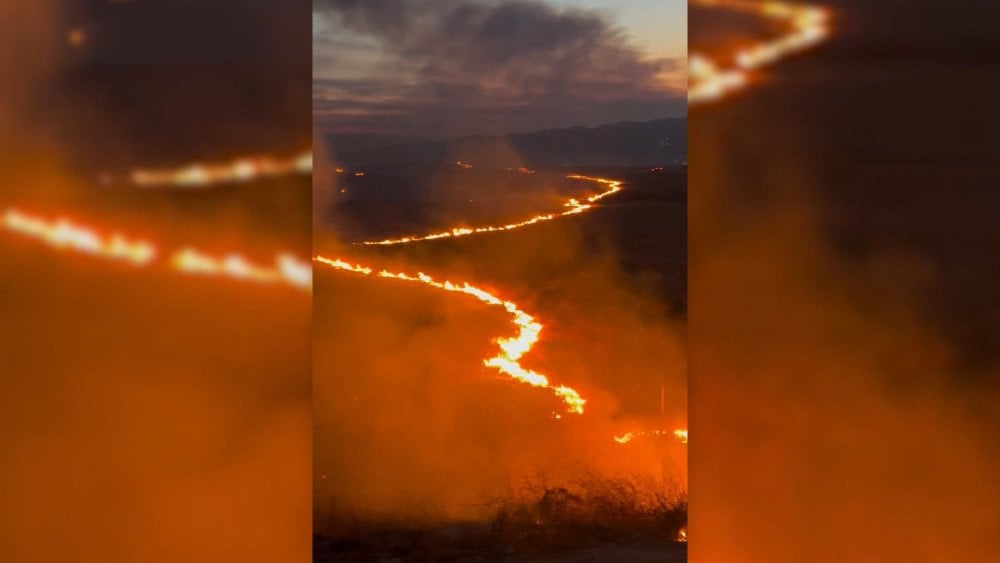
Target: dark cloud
{"x":462,"y":66}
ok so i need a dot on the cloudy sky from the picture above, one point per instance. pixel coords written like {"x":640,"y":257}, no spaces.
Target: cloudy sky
{"x":438,"y":68}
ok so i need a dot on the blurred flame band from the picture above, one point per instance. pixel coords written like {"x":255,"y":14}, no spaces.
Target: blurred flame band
{"x":243,"y":169}
{"x":710,"y":80}
{"x":287,"y":269}
{"x":511,"y":349}
{"x":573,"y":206}
{"x":64,"y":234}
{"x":680,"y":433}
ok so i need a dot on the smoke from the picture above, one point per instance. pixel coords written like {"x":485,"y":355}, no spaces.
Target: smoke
{"x":459,"y":66}
{"x":832,"y":419}
{"x":29,"y":47}
{"x":411,"y":426}
{"x":143,"y":415}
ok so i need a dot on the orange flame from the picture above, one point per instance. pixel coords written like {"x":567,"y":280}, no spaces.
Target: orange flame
{"x":64,"y":234}
{"x":244,"y":169}
{"x":681,"y":434}
{"x":287,"y":269}
{"x":511,"y":349}
{"x":808,"y":26}
{"x":574,"y":206}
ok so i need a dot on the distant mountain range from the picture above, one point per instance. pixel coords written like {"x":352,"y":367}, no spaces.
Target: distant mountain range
{"x":629,"y":143}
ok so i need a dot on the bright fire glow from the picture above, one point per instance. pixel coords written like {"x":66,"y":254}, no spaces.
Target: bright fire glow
{"x":807,"y":27}
{"x":286,"y":269}
{"x":573,"y":206}
{"x":681,"y":434}
{"x":64,"y":234}
{"x":243,"y":169}
{"x":511,"y":349}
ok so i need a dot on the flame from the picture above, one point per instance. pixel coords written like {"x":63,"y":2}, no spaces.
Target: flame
{"x":682,"y":536}
{"x":681,"y":434}
{"x":463,"y":165}
{"x":243,"y":169}
{"x":286,"y":269}
{"x":64,"y":234}
{"x":808,"y":26}
{"x":511,"y":349}
{"x":574,"y":206}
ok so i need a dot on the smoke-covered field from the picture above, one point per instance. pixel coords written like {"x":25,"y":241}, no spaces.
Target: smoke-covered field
{"x":419,"y":446}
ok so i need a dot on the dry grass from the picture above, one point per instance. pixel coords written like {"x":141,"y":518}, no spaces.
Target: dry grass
{"x":591,"y":509}
{"x":541,"y":519}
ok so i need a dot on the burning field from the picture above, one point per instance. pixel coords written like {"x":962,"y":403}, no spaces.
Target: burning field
{"x":478,"y":380}
{"x":154,"y":340}
{"x":500,"y":284}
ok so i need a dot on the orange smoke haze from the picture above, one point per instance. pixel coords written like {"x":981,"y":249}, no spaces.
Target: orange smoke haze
{"x":511,"y":349}
{"x":834,"y":420}
{"x":433,"y":434}
{"x":145,"y":415}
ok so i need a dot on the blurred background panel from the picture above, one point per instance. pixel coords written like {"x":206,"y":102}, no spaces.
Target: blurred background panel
{"x":843,"y":307}
{"x":155,"y":241}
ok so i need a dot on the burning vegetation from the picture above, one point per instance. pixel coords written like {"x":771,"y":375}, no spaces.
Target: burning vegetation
{"x":711,"y":79}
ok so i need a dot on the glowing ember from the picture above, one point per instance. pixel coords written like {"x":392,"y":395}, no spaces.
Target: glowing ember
{"x":66,"y":235}
{"x":245,"y":169}
{"x":511,"y":349}
{"x":680,"y":433}
{"x":808,"y":26}
{"x":574,"y":206}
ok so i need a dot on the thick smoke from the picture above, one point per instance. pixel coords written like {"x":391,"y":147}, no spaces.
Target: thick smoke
{"x":833,"y":418}
{"x":461,"y":66}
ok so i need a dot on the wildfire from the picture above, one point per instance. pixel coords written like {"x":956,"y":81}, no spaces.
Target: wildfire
{"x":244,"y":169}
{"x":681,"y":434}
{"x":286,"y":269}
{"x":808,"y":26}
{"x":511,"y":349}
{"x":64,"y":234}
{"x":573,"y":206}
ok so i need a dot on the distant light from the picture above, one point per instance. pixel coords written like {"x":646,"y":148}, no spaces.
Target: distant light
{"x":76,"y":37}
